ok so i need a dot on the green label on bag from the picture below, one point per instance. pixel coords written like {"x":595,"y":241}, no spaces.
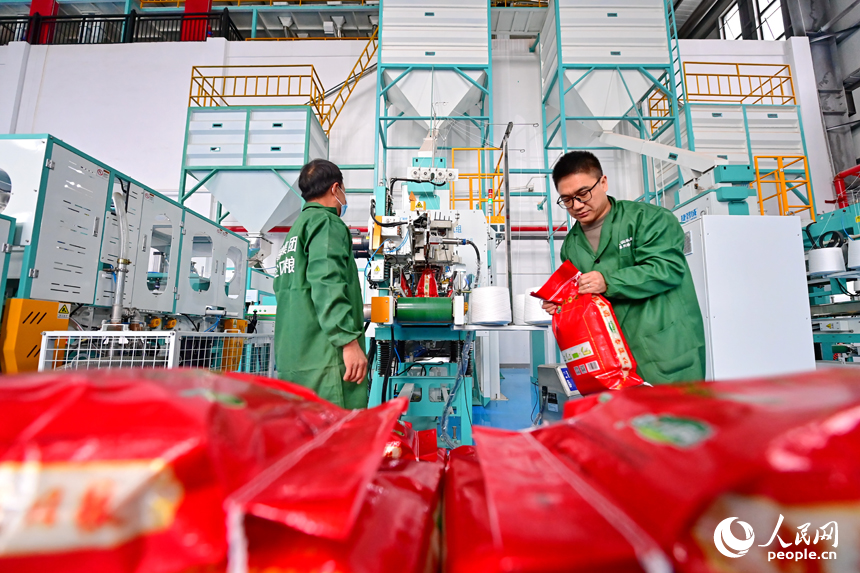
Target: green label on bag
{"x":671,"y":430}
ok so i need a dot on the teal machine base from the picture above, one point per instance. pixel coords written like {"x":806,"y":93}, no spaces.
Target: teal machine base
{"x":431,"y":392}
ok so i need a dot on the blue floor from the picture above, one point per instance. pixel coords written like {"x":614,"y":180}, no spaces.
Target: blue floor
{"x":516,"y":412}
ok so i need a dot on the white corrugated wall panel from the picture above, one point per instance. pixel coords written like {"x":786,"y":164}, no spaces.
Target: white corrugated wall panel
{"x":548,"y":49}
{"x":613,"y":32}
{"x":435,"y":32}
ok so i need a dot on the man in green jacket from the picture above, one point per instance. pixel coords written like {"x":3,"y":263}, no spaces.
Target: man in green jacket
{"x":633,"y":254}
{"x":319,"y":327}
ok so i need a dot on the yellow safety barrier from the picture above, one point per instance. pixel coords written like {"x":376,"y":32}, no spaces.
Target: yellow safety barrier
{"x":295,"y":39}
{"x":712,"y":82}
{"x":725,"y":82}
{"x":784,"y":183}
{"x":216,"y":86}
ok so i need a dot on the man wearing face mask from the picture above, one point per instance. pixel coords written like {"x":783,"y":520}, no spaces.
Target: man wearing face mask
{"x":319,"y":327}
{"x":633,"y":254}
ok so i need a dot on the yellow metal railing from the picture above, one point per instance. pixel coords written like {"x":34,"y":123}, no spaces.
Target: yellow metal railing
{"x":294,"y":39}
{"x":520,"y":3}
{"x":783,"y":183}
{"x":364,"y":60}
{"x":658,"y":106}
{"x":215,"y":86}
{"x":476,"y":199}
{"x":711,"y":82}
{"x":720,"y":82}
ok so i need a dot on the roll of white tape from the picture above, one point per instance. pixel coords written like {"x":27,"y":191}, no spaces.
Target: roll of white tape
{"x":533,"y":312}
{"x":826,"y":261}
{"x":490,"y":306}
{"x":519,"y":309}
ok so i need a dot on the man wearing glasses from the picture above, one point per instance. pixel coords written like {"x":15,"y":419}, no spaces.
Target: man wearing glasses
{"x":633,"y":254}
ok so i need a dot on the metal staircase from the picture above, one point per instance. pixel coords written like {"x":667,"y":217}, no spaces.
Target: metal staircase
{"x":365,"y":60}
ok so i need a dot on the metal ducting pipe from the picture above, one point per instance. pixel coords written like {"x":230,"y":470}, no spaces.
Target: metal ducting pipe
{"x":123,"y":261}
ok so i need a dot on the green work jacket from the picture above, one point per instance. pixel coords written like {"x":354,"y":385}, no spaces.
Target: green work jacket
{"x":648,"y":282}
{"x":320,"y":308}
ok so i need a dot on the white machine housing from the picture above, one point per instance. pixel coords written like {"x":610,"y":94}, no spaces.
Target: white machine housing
{"x":67,"y":234}
{"x":752,"y":327}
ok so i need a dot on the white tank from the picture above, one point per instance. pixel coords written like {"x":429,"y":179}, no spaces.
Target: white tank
{"x":603,"y":33}
{"x":449,"y":32}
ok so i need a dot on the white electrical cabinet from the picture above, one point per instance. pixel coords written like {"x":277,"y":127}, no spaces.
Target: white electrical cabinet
{"x":213,"y":270}
{"x":235,"y":269}
{"x":750,"y":279}
{"x":67,"y":235}
{"x":65,"y":265}
{"x":199,"y":279}
{"x":156,"y":254}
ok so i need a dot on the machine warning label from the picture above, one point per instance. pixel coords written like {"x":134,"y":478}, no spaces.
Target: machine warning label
{"x":63,"y":311}
{"x":103,"y":173}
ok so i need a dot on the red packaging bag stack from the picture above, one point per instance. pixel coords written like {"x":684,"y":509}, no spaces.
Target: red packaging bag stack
{"x":127,"y":470}
{"x":135,"y":471}
{"x":652,"y":480}
{"x":342,"y":504}
{"x":588,"y":335}
{"x":395,"y":530}
{"x":406,"y":443}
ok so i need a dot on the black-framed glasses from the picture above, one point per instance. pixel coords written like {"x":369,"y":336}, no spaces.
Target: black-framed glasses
{"x":583,"y":197}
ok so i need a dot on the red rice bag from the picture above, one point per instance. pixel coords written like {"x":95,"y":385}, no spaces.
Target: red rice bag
{"x":406,"y":443}
{"x":395,"y":531}
{"x":128,"y":470}
{"x":588,"y":335}
{"x":643,"y":480}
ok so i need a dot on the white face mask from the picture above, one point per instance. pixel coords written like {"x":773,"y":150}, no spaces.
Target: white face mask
{"x":343,"y":206}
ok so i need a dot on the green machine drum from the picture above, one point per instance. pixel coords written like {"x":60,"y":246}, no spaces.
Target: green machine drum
{"x":424,"y":310}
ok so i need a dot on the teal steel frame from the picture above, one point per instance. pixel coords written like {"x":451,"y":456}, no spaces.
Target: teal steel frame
{"x":384,"y":122}
{"x":668,"y":80}
{"x":425,"y":412}
{"x":673,"y":184}
{"x":4,"y":265}
{"x":215,"y":169}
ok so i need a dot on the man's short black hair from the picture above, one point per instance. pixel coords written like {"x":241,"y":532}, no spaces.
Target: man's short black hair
{"x":576,"y":162}
{"x":317,"y":177}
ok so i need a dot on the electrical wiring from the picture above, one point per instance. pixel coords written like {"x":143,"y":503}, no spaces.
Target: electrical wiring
{"x":213,"y":327}
{"x":842,"y":220}
{"x":195,"y":325}
{"x":410,"y":367}
{"x":845,"y":290}
{"x":367,"y":266}
{"x":465,"y":357}
{"x":400,"y":246}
